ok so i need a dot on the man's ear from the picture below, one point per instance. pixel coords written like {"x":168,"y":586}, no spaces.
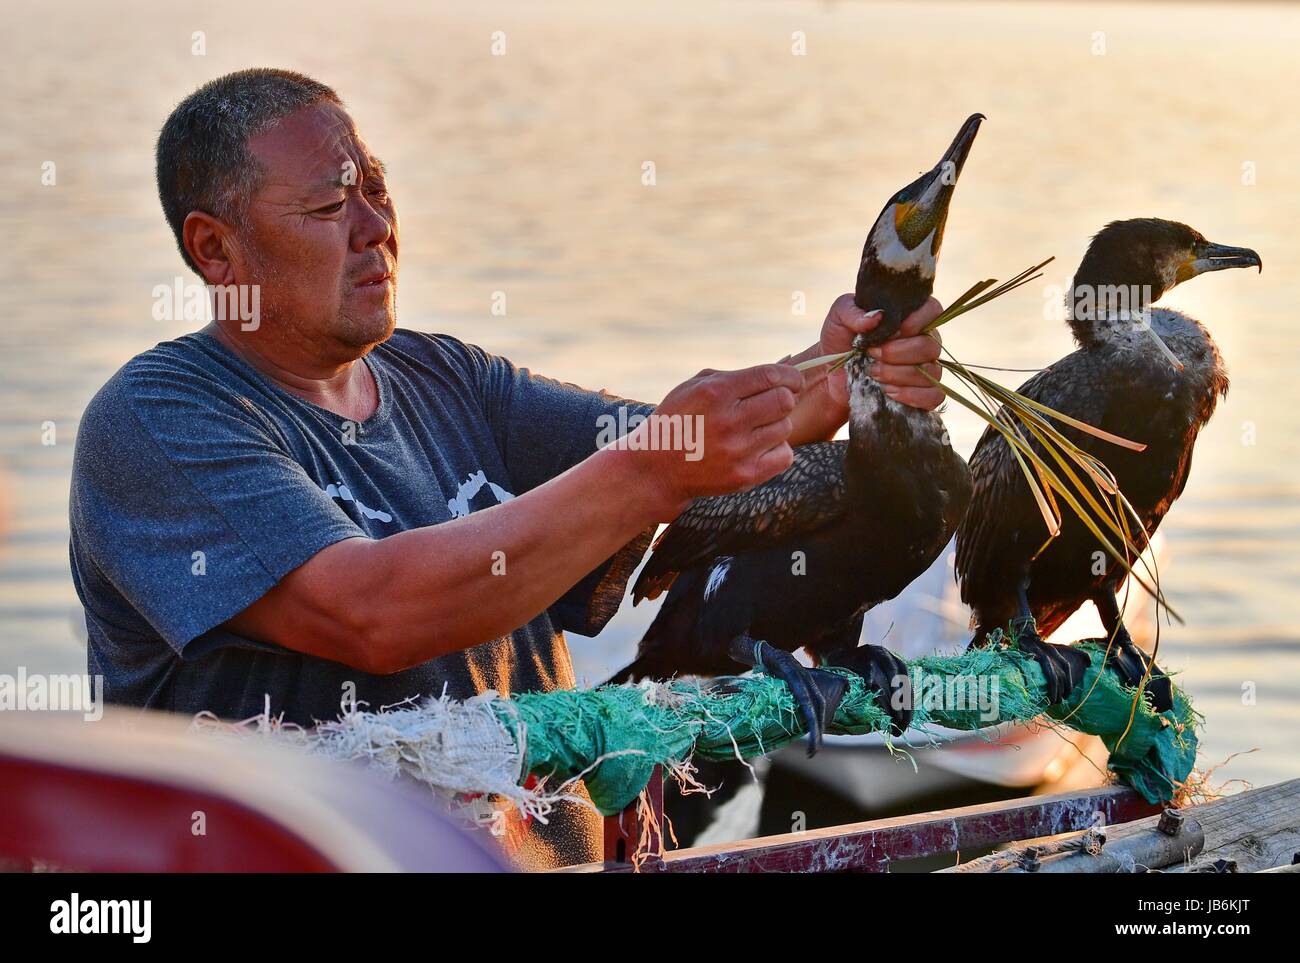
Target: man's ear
{"x":208,"y":240}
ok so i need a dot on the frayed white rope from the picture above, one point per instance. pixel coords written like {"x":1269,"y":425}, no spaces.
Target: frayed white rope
{"x":452,"y":747}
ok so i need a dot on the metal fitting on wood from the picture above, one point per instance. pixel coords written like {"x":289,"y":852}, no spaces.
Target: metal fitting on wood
{"x":1171,"y":822}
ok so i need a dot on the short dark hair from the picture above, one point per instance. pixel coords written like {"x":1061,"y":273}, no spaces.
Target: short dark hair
{"x":202,"y":160}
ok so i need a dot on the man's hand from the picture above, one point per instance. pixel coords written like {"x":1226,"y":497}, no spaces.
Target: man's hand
{"x":894,"y":360}
{"x":824,"y":403}
{"x":745,"y":420}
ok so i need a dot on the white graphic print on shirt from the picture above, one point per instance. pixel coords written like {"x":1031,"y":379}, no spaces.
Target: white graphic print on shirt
{"x":343,"y":493}
{"x":459,"y":506}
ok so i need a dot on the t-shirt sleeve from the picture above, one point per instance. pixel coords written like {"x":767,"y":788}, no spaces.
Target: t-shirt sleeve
{"x":544,"y":427}
{"x":189,"y":504}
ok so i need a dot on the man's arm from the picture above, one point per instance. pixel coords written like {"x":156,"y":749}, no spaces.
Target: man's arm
{"x":385,"y":605}
{"x":824,"y":402}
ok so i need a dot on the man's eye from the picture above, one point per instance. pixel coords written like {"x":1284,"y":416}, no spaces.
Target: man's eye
{"x":332,"y":209}
{"x":380,"y":195}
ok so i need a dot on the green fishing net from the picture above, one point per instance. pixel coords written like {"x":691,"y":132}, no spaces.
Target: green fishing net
{"x":614,"y":736}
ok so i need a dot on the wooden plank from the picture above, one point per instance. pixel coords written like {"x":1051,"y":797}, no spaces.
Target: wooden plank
{"x":871,"y":846}
{"x":1257,"y":829}
{"x":1129,"y":847}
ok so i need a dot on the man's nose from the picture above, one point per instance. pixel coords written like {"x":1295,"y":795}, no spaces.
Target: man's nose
{"x":371,"y":226}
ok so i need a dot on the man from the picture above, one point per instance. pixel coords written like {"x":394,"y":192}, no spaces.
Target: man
{"x":319,"y":509}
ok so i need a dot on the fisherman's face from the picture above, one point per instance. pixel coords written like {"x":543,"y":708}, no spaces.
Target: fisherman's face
{"x":322,"y":235}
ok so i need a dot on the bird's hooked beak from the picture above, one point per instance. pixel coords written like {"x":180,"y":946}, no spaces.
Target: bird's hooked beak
{"x":924,"y":209}
{"x":1217,"y":257}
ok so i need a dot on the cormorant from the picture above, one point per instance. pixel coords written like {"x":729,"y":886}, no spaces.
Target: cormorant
{"x":862,"y":518}
{"x":1123,"y":380}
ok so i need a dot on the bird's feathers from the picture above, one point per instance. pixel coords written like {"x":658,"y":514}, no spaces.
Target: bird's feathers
{"x":807,"y":495}
{"x":1001,"y":500}
{"x":1133,"y":394}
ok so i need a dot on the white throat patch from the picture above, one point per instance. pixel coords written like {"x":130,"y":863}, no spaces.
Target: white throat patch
{"x":894,"y":254}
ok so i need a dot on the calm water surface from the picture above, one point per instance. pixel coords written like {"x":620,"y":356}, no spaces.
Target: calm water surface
{"x":522,"y":174}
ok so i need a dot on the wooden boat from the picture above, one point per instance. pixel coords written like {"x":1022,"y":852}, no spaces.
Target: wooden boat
{"x":122,"y":795}
{"x":136,"y":792}
{"x":1108,"y":829}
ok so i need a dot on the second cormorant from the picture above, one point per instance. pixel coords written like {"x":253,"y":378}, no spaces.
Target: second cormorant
{"x":1151,"y":375}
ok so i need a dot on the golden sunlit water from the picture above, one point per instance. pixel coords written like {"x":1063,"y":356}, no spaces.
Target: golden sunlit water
{"x":523,"y":174}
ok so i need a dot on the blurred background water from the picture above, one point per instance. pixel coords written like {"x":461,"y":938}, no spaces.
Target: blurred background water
{"x":522,"y":173}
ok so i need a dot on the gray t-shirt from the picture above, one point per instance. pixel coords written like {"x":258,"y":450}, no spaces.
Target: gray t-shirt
{"x":198,"y":484}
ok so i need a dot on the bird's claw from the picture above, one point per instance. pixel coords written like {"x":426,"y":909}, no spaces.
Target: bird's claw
{"x":1063,"y":666}
{"x":887,"y":674}
{"x":817,"y":694}
{"x":1130,"y":663}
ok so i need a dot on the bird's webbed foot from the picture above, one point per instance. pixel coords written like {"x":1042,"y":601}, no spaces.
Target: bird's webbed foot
{"x":887,"y":674}
{"x":1130,"y":663}
{"x":817,"y":694}
{"x":1063,"y":666}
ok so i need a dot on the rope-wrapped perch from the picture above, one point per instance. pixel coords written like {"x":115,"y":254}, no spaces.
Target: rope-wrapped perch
{"x":613,"y":737}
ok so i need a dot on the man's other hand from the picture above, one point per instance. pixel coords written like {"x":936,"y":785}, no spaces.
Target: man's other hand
{"x":893,"y":363}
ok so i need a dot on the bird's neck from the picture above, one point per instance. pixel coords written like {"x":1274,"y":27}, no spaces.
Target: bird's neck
{"x":879,"y":424}
{"x":895,"y":293}
{"x":1145,"y":340}
{"x":1101,"y":306}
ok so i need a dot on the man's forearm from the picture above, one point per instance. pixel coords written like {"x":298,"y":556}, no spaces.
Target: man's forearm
{"x":384,"y":605}
{"x":388,"y":604}
{"x":498,"y":569}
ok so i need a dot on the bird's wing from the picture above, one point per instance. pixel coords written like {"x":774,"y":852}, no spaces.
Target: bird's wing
{"x":1001,"y":503}
{"x":807,"y":495}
